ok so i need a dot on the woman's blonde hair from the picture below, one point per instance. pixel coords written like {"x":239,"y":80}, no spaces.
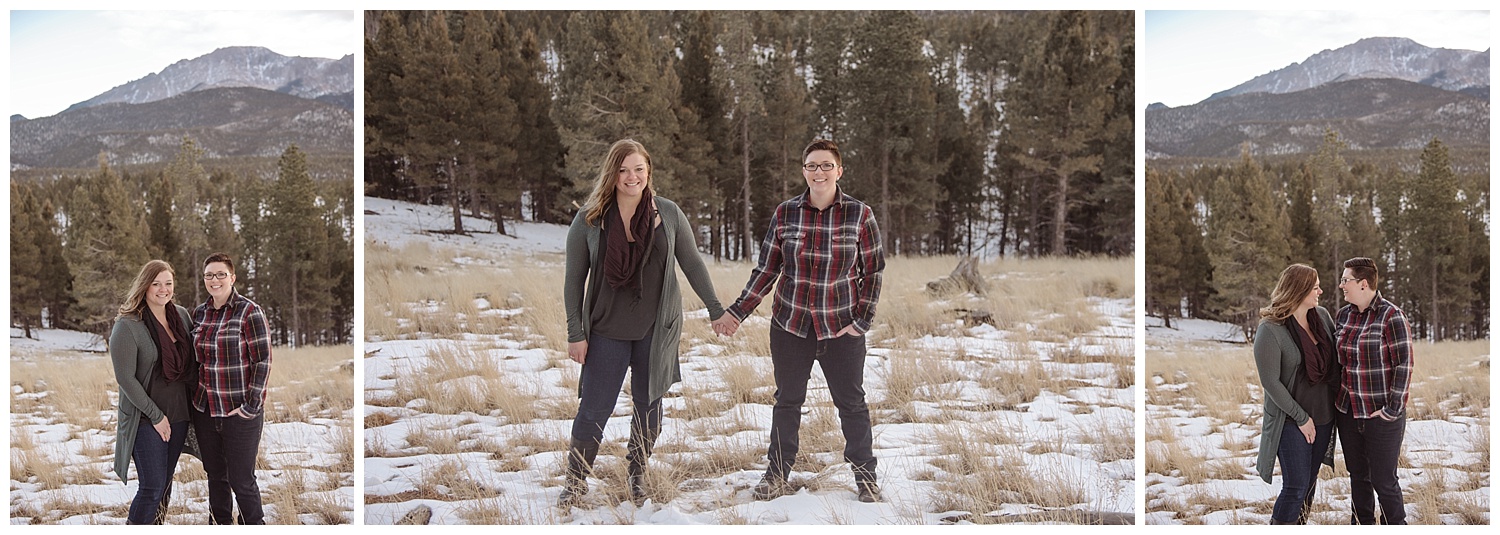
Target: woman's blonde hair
{"x":135,"y":299}
{"x":1295,"y":283}
{"x":604,"y":185}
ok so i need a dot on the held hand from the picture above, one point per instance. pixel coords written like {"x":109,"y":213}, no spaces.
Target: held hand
{"x":578,"y":350}
{"x":849,"y":329}
{"x":726,"y":325}
{"x":164,"y":428}
{"x":1308,"y":430}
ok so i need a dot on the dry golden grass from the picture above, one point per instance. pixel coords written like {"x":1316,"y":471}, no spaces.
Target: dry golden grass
{"x":1219,"y":381}
{"x":311,"y":382}
{"x":425,"y":294}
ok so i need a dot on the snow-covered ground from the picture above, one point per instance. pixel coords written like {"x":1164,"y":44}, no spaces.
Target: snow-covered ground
{"x":62,"y":460}
{"x":471,"y":467}
{"x":1201,"y":443}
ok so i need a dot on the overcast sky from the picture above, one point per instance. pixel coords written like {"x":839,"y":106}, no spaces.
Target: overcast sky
{"x":60,"y":58}
{"x":1188,"y":55}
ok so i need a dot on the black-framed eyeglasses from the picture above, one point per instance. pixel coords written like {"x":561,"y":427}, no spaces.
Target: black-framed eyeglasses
{"x":1346,"y":280}
{"x":825,"y":166}
{"x":216,"y":275}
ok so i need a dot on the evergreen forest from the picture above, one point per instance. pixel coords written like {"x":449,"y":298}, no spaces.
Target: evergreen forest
{"x":1218,"y":235}
{"x":78,"y":239}
{"x":975,"y":133}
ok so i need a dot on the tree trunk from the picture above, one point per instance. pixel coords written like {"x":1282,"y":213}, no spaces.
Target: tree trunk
{"x":453,"y":200}
{"x":296,"y":308}
{"x":1060,"y":217}
{"x":746,"y":240}
{"x":885,"y":196}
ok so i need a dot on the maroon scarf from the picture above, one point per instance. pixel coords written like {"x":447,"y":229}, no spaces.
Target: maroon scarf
{"x":622,"y":257}
{"x":176,"y":358}
{"x":1317,"y":358}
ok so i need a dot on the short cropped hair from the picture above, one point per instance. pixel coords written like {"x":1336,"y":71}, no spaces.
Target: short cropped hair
{"x":1363,"y":269}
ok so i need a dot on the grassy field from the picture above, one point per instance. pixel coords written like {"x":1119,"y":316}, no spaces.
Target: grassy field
{"x":1203,"y":403}
{"x":469,"y":396}
{"x":63,"y":407}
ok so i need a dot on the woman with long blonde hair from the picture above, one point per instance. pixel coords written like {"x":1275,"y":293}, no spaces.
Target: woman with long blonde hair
{"x":624,"y":309}
{"x":1297,"y":361}
{"x":151,"y":348}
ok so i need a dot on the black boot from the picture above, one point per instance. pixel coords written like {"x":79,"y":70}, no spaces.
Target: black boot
{"x":581,"y":456}
{"x":644,"y":429}
{"x":864,"y":485}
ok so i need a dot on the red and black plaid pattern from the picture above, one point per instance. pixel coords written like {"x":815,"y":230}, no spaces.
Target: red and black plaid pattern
{"x":1375,"y":351}
{"x":234,"y":356}
{"x":828,"y":263}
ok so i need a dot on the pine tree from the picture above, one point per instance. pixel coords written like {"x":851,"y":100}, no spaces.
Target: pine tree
{"x":893,"y":102}
{"x":25,"y":259}
{"x":487,"y":134}
{"x":1439,"y":234}
{"x":433,"y":96}
{"x":537,"y":139}
{"x":105,"y":246}
{"x":1246,"y":242}
{"x":297,"y":252}
{"x":616,"y":82}
{"x":191,"y":191}
{"x":1163,"y":248}
{"x":747,"y":109}
{"x":165,"y":242}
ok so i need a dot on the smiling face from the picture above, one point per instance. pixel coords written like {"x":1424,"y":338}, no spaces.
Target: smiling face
{"x":633,"y":176}
{"x":161,"y":290}
{"x":219,"y":288}
{"x":820,"y":182}
{"x":1311,"y":300}
{"x":1353,"y":289}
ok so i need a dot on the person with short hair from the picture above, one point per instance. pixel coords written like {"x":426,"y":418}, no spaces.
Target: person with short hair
{"x":233,"y":345}
{"x":1375,"y":349}
{"x":823,"y":252}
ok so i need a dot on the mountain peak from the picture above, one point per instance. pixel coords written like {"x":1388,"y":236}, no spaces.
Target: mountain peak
{"x":237,"y":66}
{"x":1376,"y":57}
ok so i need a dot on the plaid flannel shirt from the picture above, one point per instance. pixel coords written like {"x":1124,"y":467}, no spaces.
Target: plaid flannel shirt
{"x":828,"y":263}
{"x":1375,"y":351}
{"x":234,"y":355}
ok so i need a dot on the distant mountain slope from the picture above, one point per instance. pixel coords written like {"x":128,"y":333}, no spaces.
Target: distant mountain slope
{"x":226,"y":122}
{"x":238,"y":66}
{"x":1367,"y":113}
{"x":1376,"y":57}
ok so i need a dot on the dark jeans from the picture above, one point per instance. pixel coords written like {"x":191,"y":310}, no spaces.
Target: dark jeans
{"x":843,"y":362}
{"x":155,"y":462}
{"x":599,"y":385}
{"x":1300,"y":462}
{"x":228,"y":446}
{"x":1371,"y":446}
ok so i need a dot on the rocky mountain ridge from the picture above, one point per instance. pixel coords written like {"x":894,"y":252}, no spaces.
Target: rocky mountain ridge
{"x":237,"y":66}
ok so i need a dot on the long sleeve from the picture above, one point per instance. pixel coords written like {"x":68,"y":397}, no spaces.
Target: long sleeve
{"x":1398,"y":356}
{"x":124,"y":353}
{"x":575,"y":277}
{"x":694,"y":268}
{"x":767,"y":269}
{"x":871,"y":264}
{"x":257,"y":339}
{"x":1268,"y":364}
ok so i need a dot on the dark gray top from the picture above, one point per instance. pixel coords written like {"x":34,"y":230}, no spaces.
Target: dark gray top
{"x":628,"y":313}
{"x":1317,"y":399}
{"x":172,"y":398}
